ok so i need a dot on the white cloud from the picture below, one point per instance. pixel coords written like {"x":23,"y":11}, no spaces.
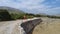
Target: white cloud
{"x":24,"y":4}
{"x":31,"y":5}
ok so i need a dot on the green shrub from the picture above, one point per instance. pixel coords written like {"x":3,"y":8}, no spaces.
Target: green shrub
{"x":4,"y":15}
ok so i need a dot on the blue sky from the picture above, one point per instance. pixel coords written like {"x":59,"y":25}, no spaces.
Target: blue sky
{"x":34,"y":6}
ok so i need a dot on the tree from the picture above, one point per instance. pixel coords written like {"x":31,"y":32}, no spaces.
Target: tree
{"x":4,"y":15}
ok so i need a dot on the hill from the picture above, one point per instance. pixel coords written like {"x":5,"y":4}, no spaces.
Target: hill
{"x":8,"y":13}
{"x":11,"y":10}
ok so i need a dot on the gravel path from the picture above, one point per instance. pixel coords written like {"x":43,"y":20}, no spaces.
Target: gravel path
{"x":12,"y":27}
{"x":9,"y":27}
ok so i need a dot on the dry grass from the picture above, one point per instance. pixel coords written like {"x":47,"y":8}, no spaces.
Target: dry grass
{"x":48,"y":26}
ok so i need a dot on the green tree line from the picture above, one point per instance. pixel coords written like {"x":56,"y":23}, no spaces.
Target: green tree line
{"x":5,"y":15}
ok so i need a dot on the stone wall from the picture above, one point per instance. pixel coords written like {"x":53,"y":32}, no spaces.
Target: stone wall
{"x":30,"y":25}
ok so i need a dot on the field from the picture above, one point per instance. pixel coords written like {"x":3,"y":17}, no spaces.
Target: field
{"x":48,"y":26}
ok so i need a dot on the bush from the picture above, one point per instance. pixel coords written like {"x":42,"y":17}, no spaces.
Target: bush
{"x":4,"y":15}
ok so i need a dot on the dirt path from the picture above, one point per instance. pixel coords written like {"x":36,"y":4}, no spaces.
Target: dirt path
{"x":48,"y":26}
{"x":13,"y":27}
{"x":9,"y":26}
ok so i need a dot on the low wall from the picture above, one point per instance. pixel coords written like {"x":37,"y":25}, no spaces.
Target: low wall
{"x":29,"y":25}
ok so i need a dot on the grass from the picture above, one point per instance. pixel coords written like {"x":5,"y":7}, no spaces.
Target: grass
{"x":48,"y":26}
